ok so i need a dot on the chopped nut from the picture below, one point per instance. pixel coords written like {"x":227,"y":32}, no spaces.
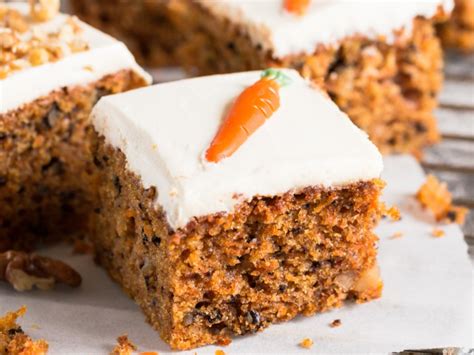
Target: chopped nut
{"x":26,"y":271}
{"x":306,"y":343}
{"x":38,"y":56}
{"x":335,"y":323}
{"x":369,"y":285}
{"x":37,"y":46}
{"x":44,"y":10}
{"x":13,"y":340}
{"x":124,"y":346}
{"x":434,"y":195}
{"x":438,"y":233}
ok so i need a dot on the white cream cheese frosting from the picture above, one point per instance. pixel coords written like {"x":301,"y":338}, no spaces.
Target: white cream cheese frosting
{"x":164,"y":130}
{"x":325,"y":22}
{"x":105,"y":56}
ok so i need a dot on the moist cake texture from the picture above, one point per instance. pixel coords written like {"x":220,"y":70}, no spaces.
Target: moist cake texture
{"x":46,"y":176}
{"x":458,"y":31}
{"x":382,"y":67}
{"x":282,"y":227}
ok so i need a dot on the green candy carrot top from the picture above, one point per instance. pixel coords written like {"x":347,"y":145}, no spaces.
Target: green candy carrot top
{"x":254,"y":105}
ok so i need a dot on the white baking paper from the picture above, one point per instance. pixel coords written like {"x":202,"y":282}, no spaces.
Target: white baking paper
{"x":427,"y":299}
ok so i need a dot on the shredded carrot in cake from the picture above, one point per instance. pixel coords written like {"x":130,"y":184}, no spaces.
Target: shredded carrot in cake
{"x":253,"y":107}
{"x":297,"y":7}
{"x":435,"y":196}
{"x":306,"y":343}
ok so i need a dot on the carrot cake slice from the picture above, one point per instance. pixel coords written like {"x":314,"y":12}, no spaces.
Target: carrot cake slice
{"x":53,"y":69}
{"x":231,"y":202}
{"x":380,"y":61}
{"x":458,"y":31}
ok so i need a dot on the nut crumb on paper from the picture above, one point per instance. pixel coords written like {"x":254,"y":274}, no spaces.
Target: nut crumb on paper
{"x":335,"y":323}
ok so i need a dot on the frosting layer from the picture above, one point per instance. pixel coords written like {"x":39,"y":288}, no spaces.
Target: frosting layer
{"x":105,"y":56}
{"x":164,"y":131}
{"x":326,"y":21}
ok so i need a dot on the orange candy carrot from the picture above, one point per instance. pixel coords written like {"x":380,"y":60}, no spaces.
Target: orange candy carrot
{"x":297,"y":7}
{"x":249,"y":111}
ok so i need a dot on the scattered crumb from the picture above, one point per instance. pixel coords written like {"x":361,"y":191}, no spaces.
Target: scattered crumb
{"x":394,"y":213}
{"x":335,"y":323}
{"x":396,"y":235}
{"x":82,"y":246}
{"x":35,"y":326}
{"x":219,"y":352}
{"x":88,"y":68}
{"x":154,"y":146}
{"x":434,"y":195}
{"x":124,"y":346}
{"x":438,"y":233}
{"x":149,"y":353}
{"x":306,"y":343}
{"x":13,"y":339}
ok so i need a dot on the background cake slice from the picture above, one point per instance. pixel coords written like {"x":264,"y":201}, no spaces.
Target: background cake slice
{"x":52,"y":71}
{"x":458,"y":31}
{"x":380,"y":61}
{"x":281,"y":227}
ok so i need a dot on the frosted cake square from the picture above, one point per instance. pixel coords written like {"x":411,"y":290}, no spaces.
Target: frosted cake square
{"x":53,"y":69}
{"x":380,"y":61}
{"x":209,"y":248}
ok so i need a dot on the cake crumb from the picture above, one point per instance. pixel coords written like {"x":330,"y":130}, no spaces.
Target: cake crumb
{"x":438,"y":233}
{"x":219,"y":352}
{"x":82,"y":247}
{"x":396,"y":235}
{"x":124,"y":346}
{"x":393,"y":213}
{"x":335,"y":323}
{"x":149,"y":353}
{"x":306,"y":343}
{"x":435,"y":196}
{"x":13,"y":339}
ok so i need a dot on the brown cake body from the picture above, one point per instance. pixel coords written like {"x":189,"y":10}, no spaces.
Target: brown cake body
{"x":458,"y":31}
{"x":387,"y":87}
{"x":46,"y":174}
{"x":51,"y":75}
{"x":231,"y":274}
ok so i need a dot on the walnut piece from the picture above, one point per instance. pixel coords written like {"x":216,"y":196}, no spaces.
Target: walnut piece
{"x":44,"y":10}
{"x":23,"y":45}
{"x":26,"y":271}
